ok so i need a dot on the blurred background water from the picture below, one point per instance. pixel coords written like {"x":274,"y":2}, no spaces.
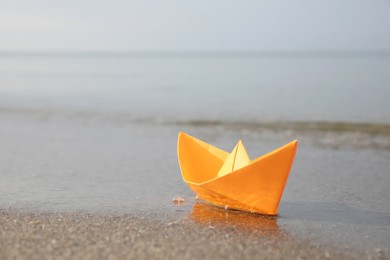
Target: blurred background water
{"x":225,"y":87}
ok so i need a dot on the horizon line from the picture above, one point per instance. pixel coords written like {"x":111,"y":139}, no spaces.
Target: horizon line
{"x":196,"y":53}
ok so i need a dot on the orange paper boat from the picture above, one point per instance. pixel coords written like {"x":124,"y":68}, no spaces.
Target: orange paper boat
{"x":233,"y":180}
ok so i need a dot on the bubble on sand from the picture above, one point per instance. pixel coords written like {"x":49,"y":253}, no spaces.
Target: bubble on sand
{"x":178,"y":201}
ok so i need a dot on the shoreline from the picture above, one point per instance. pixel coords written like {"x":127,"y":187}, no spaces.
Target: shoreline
{"x":328,"y":134}
{"x":119,"y":116}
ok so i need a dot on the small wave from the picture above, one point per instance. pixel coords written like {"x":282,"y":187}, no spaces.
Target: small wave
{"x":125,"y":117}
{"x":322,"y":126}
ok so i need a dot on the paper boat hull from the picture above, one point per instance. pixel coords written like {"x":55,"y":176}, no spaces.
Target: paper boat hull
{"x":257,"y":187}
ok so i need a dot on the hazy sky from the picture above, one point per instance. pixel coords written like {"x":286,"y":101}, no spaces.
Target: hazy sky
{"x":199,"y":25}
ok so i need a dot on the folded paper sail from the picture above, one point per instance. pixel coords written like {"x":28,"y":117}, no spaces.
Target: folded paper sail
{"x":233,"y":180}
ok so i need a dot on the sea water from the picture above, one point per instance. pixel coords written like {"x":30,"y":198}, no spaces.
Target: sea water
{"x":251,"y":87}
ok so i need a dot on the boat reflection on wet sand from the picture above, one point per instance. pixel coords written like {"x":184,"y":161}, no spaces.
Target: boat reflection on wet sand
{"x":205,"y":214}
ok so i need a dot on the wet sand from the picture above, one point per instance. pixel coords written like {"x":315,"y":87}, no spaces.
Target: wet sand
{"x":80,"y":185}
{"x":111,"y":236}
